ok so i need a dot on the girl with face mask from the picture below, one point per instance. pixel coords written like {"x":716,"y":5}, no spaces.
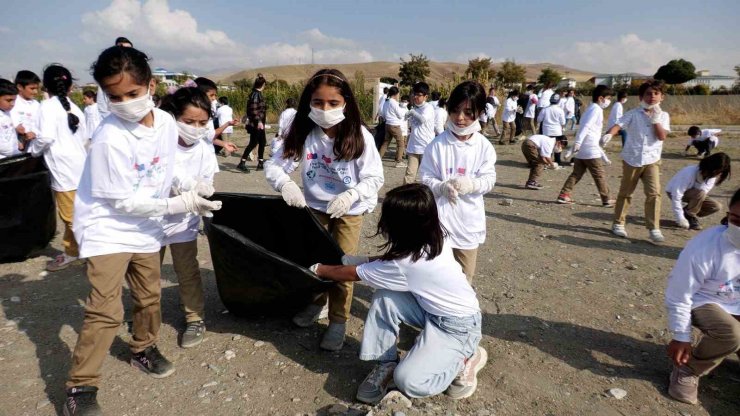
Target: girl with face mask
{"x":341,"y":175}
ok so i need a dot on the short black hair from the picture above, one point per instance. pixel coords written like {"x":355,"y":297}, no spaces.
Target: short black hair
{"x":512,"y":93}
{"x":442,"y":102}
{"x":7,"y":87}
{"x":621,"y":95}
{"x":121,"y":39}
{"x":601,"y":91}
{"x":656,"y":84}
{"x":25,"y":77}
{"x":468,"y":91}
{"x":735,"y":198}
{"x":392,"y":91}
{"x":118,"y":59}
{"x":385,"y":90}
{"x":291,"y":103}
{"x":718,"y":162}
{"x":694,"y":130}
{"x":259,"y":82}
{"x":177,"y":102}
{"x":205,"y":84}
{"x":405,"y":97}
{"x":530,"y":87}
{"x":436,"y":95}
{"x":223,"y":100}
{"x":421,"y":88}
{"x":90,"y":94}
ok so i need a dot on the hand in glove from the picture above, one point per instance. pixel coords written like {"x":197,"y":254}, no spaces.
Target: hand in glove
{"x":190,"y":202}
{"x":447,"y":189}
{"x":464,"y":185}
{"x":203,"y":188}
{"x":683,"y":223}
{"x":314,"y":267}
{"x":605,"y":159}
{"x":341,"y":203}
{"x":655,"y":114}
{"x":569,"y":152}
{"x":293,"y":195}
{"x":605,"y":139}
{"x":350,"y":260}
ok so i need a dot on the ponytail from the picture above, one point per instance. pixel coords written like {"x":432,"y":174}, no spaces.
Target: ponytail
{"x":57,"y":81}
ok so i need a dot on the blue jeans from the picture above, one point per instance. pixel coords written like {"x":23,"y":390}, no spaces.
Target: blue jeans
{"x":572,"y":120}
{"x":438,"y":354}
{"x":623,"y":134}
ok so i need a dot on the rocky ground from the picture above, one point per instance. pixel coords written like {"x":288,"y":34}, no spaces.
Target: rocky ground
{"x":573,"y":321}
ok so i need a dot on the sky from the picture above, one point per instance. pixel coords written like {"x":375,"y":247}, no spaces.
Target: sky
{"x":220,"y":36}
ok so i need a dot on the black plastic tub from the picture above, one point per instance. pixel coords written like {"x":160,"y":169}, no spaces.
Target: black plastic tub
{"x":261,"y":249}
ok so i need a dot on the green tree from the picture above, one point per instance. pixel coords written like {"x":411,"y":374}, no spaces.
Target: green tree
{"x":676,"y":71}
{"x":480,"y":70}
{"x":414,"y":70}
{"x":549,"y":76}
{"x":510,"y":74}
{"x":244,"y":84}
{"x":388,"y":80}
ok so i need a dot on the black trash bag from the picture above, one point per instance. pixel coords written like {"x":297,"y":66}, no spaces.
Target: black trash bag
{"x":27,"y":212}
{"x":261,"y":249}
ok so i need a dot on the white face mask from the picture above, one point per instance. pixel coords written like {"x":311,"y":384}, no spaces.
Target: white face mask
{"x":190,"y":134}
{"x":133,"y":110}
{"x":463,"y":131}
{"x":327,"y":119}
{"x":733,"y":234}
{"x":647,"y":106}
{"x":607,"y":102}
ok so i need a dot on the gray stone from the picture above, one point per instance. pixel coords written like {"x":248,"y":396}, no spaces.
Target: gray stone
{"x":202,"y":393}
{"x":617,"y":393}
{"x":42,"y":403}
{"x":236,"y":337}
{"x":210,"y":384}
{"x":507,"y":202}
{"x":395,"y":398}
{"x":259,"y":344}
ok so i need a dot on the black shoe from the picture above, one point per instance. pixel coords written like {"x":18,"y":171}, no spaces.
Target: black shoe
{"x":693,"y":221}
{"x":82,"y":401}
{"x":152,"y":362}
{"x":242,"y":167}
{"x":260,"y":165}
{"x":193,"y":334}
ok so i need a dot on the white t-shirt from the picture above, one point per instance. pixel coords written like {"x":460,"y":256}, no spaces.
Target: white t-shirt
{"x":589,"y":133}
{"x":707,"y":271}
{"x":192,"y":163}
{"x":26,"y":112}
{"x":285,"y":120}
{"x":102,"y":101}
{"x":544,"y":98}
{"x":393,"y":114}
{"x":440,"y":119}
{"x":570,"y":107}
{"x":126,"y":160}
{"x":642,"y":146}
{"x":686,"y":178}
{"x":404,"y":116}
{"x":225,"y":114}
{"x":439,"y":284}
{"x":545,"y":144}
{"x":92,"y":119}
{"x":325,"y":177}
{"x":8,"y":136}
{"x":615,"y":115}
{"x":531,"y":106}
{"x":509,"y":114}
{"x":64,"y":152}
{"x":446,"y":158}
{"x":707,"y":134}
{"x":553,"y":120}
{"x":423,"y":120}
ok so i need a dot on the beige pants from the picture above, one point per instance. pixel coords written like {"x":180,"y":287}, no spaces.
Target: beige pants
{"x":104,"y":310}
{"x":699,"y":204}
{"x":346,"y":232}
{"x":467,"y":259}
{"x":412,"y":168}
{"x":393,"y":132}
{"x":650,"y":177}
{"x":596,"y":168}
{"x":65,"y":208}
{"x":532,"y":154}
{"x":509,"y":128}
{"x":529,"y":126}
{"x":190,"y":286}
{"x":720,"y":337}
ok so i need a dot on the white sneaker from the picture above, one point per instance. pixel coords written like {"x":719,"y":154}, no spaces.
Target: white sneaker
{"x":656,"y":236}
{"x":618,"y":230}
{"x":61,"y":262}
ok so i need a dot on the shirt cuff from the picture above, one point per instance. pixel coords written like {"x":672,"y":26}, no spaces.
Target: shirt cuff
{"x":682,"y":336}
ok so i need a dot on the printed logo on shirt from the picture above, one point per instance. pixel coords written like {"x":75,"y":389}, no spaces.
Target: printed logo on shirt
{"x":326,"y":160}
{"x":311,"y":174}
{"x":461,"y":171}
{"x":150,"y":177}
{"x":311,"y":156}
{"x":330,"y":186}
{"x":346,"y":180}
{"x":730,"y":289}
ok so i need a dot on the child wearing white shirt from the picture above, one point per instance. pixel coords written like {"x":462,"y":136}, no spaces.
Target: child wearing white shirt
{"x":508,"y":117}
{"x":284,"y":122}
{"x":25,"y":112}
{"x":570,"y":110}
{"x":647,"y":127}
{"x":341,"y":174}
{"x":552,"y":120}
{"x":691,"y":185}
{"x":440,"y":116}
{"x":529,"y":111}
{"x":705,"y":140}
{"x":404,"y":106}
{"x":422,"y":119}
{"x":225,"y":115}
{"x":8,"y":137}
{"x":616,"y":113}
{"x":416,"y":282}
{"x":459,"y":167}
{"x":92,"y":113}
{"x":704,"y":291}
{"x":394,"y":117}
{"x":495,"y":103}
{"x":537,"y":151}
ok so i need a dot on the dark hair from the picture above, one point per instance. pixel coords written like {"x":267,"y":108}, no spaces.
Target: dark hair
{"x":468,"y":91}
{"x":259,"y":82}
{"x":385,"y":90}
{"x":405,"y":97}
{"x":90,"y":94}
{"x":442,"y":102}
{"x":350,"y":142}
{"x":7,"y":88}
{"x":410,"y":224}
{"x":601,"y":91}
{"x":223,"y":100}
{"x":621,"y":95}
{"x":116,"y":60}
{"x":530,"y":87}
{"x":121,"y":39}
{"x":735,"y":198}
{"x":718,"y":162}
{"x":694,"y":130}
{"x":205,"y":84}
{"x":393,"y":91}
{"x":436,"y":95}
{"x":290,"y":103}
{"x":58,"y":81}
{"x":177,"y":102}
{"x":655,"y":84}
{"x":421,"y":88}
{"x":25,"y":77}
{"x":156,"y":99}
{"x":512,"y":93}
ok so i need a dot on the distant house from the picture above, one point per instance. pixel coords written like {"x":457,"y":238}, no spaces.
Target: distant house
{"x":714,"y":82}
{"x":613,"y":80}
{"x":163,"y":75}
{"x":566,"y":83}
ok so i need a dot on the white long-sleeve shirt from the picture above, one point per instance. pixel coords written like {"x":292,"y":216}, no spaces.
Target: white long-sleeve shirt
{"x":531,"y":106}
{"x":553,"y":120}
{"x":26,"y":113}
{"x":544,"y":98}
{"x":707,"y":271}
{"x":570,"y":107}
{"x":8,"y":136}
{"x":440,"y":119}
{"x":686,"y":178}
{"x":589,"y":133}
{"x":423,"y":121}
{"x":545,"y":144}
{"x":448,"y":157}
{"x":509,"y":111}
{"x":615,"y":115}
{"x":102,"y":101}
{"x":285,"y":121}
{"x":325,"y":177}
{"x":707,"y":134}
{"x":642,"y":146}
{"x":393,"y":114}
{"x":92,"y":119}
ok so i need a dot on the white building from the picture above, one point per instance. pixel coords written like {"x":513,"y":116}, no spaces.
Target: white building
{"x":164,"y":75}
{"x":568,"y":83}
{"x":714,"y":82}
{"x":613,"y":80}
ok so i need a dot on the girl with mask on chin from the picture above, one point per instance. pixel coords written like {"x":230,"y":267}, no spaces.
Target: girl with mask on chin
{"x":341,"y":175}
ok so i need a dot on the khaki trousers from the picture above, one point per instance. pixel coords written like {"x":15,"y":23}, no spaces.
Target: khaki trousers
{"x":65,"y":208}
{"x":529,"y":125}
{"x":699,"y":204}
{"x":510,"y":128}
{"x":346,"y":232}
{"x":650,"y":177}
{"x":412,"y":168}
{"x":596,"y":168}
{"x":532,"y":154}
{"x":190,"y":286}
{"x":720,"y":338}
{"x":104,"y":310}
{"x":393,"y":132}
{"x":467,"y":259}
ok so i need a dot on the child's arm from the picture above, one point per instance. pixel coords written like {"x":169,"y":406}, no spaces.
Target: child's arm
{"x":336,"y":273}
{"x":676,"y":201}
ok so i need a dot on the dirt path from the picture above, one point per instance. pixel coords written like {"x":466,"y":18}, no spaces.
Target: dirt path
{"x":569,"y":312}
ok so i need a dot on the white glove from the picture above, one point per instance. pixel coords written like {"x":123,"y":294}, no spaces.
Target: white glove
{"x":190,"y":202}
{"x":655,"y":114}
{"x":314,"y":267}
{"x":605,"y":159}
{"x":605,"y":139}
{"x":683,"y":223}
{"x":569,"y":152}
{"x":293,"y":195}
{"x":350,"y":260}
{"x":340,"y":204}
{"x":464,"y":185}
{"x":202,"y":187}
{"x":447,"y":189}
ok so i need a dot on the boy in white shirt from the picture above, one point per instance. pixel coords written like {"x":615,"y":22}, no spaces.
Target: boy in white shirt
{"x":404,"y":106}
{"x":422,"y":118}
{"x":92,"y":113}
{"x":543,"y":98}
{"x":440,"y":117}
{"x":496,"y":103}
{"x":8,"y":138}
{"x":705,"y":140}
{"x":537,"y":151}
{"x":647,"y":127}
{"x":25,"y":113}
{"x":570,"y":109}
{"x":529,"y":111}
{"x":508,"y":117}
{"x":225,"y":115}
{"x":394,"y":117}
{"x":704,"y":291}
{"x":552,"y":120}
{"x":615,"y":115}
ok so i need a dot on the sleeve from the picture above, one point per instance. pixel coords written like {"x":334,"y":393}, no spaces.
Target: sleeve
{"x":381,"y":274}
{"x":430,"y":170}
{"x":486,"y":173}
{"x":561,"y":117}
{"x":587,"y":120}
{"x":254,"y":107}
{"x":281,"y":122}
{"x":15,"y":116}
{"x":47,"y":132}
{"x":711,"y":132}
{"x":686,"y":278}
{"x":533,"y":99}
{"x":418,"y":116}
{"x":113,"y":174}
{"x":138,"y":206}
{"x":626,"y":119}
{"x":370,"y":170}
{"x":8,"y":143}
{"x":548,"y":145}
{"x":619,"y":113}
{"x":541,"y":116}
{"x":277,"y":170}
{"x":677,"y":195}
{"x":665,"y":121}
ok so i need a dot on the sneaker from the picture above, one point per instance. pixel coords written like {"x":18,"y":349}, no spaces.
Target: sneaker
{"x":608,"y":204}
{"x":61,"y":262}
{"x":533,"y":185}
{"x":333,"y":339}
{"x":152,"y":362}
{"x":656,"y":236}
{"x":618,"y":230}
{"x":260,"y":165}
{"x":311,"y":314}
{"x":684,"y":385}
{"x":466,"y":382}
{"x":193,"y":335}
{"x":376,"y":384}
{"x":82,"y":401}
{"x":564,"y":199}
{"x":242,"y":166}
{"x":401,"y":164}
{"x":693,"y":222}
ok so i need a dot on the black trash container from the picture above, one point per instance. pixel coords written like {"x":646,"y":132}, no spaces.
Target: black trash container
{"x":261,"y":249}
